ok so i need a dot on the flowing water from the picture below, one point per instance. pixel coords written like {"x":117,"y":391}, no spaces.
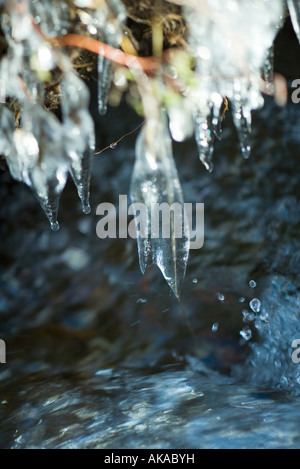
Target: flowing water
{"x":99,"y":356}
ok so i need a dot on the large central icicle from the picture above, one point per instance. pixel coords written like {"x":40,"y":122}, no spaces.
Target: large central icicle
{"x":155,"y":185}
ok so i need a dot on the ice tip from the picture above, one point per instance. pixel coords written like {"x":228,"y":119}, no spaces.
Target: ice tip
{"x":54,"y":226}
{"x":102,"y":109}
{"x":246,"y":152}
{"x":209,"y":166}
{"x":86,"y":208}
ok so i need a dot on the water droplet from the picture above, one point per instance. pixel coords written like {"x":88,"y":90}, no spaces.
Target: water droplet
{"x":86,"y":209}
{"x":76,"y":258}
{"x":195,"y":281}
{"x":247,"y":316}
{"x":215,"y":327}
{"x":252,"y":284}
{"x":142,"y":300}
{"x":220,"y":297}
{"x":246,"y":333}
{"x":255,"y":305}
{"x":54,"y":226}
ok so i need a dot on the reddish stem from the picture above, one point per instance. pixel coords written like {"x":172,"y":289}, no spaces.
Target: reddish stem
{"x":147,"y":64}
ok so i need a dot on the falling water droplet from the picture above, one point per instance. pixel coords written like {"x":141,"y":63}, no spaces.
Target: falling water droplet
{"x":80,"y":138}
{"x":86,"y":209}
{"x":255,"y":305}
{"x":220,"y":297}
{"x":54,"y":226}
{"x":246,"y":333}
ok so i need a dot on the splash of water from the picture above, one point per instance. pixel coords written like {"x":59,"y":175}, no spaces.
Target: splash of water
{"x":276,"y":321}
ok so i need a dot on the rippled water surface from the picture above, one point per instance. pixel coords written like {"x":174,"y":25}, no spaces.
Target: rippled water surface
{"x":99,"y":356}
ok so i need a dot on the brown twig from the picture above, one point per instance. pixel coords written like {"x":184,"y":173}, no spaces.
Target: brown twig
{"x":147,"y":64}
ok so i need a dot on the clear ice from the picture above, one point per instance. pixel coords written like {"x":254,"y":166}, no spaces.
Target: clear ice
{"x":108,"y":21}
{"x":230,"y":41}
{"x":294,"y":9}
{"x":155,"y":182}
{"x":79,"y":132}
{"x":48,"y":176}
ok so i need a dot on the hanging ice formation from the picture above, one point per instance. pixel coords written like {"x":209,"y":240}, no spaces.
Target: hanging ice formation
{"x":155,"y":184}
{"x":43,"y":150}
{"x":294,"y":9}
{"x":231,"y":43}
{"x":107,"y":21}
{"x":78,"y":127}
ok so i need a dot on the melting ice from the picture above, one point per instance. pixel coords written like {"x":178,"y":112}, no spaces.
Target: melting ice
{"x":231,"y":42}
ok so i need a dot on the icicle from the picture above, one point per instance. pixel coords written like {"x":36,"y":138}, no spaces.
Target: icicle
{"x":109,"y":20}
{"x":155,"y":182}
{"x":205,"y":138}
{"x":217,"y":102}
{"x":7,"y":127}
{"x":294,"y":8}
{"x":52,"y":15}
{"x":79,"y":135}
{"x":48,"y":176}
{"x":105,"y":77}
{"x":39,"y":170}
{"x":242,"y":121}
{"x":241,"y":114}
{"x":81,"y":173}
{"x":268,"y":70}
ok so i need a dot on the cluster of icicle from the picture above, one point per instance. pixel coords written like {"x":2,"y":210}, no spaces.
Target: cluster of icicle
{"x":44,"y":150}
{"x":231,"y":42}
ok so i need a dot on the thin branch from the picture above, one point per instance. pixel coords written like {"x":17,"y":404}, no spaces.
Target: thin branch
{"x":114,"y":144}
